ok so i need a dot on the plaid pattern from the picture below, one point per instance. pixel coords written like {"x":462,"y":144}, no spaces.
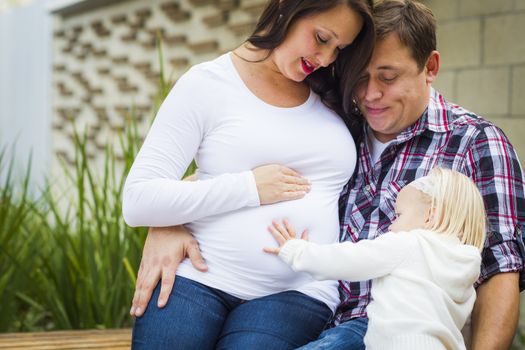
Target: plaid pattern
{"x":451,"y":137}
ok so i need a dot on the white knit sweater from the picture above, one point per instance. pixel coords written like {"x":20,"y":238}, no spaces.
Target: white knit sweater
{"x":422,"y":286}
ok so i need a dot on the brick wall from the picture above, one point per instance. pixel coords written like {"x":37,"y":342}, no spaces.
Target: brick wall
{"x":105,"y":60}
{"x":482,"y":46}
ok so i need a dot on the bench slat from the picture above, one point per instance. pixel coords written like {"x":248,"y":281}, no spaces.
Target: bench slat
{"x":115,"y":339}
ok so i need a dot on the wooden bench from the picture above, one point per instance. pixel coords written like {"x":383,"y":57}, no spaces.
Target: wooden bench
{"x":118,"y":339}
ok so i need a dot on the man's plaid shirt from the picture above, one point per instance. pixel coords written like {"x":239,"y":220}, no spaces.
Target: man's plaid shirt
{"x":451,"y":137}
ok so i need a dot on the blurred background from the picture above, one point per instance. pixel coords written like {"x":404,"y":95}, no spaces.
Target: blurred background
{"x":80,"y":81}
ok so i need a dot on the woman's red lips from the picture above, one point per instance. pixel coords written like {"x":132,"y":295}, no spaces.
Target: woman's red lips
{"x":308,"y":68}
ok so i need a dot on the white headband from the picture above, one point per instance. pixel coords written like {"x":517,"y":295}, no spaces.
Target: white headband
{"x":424,"y":184}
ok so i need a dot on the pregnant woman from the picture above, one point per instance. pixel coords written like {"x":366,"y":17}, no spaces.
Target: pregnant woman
{"x":282,"y":98}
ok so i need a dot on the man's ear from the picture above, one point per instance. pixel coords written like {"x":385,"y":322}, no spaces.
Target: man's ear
{"x":432,"y":67}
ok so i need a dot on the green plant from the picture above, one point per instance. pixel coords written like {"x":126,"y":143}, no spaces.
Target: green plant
{"x":84,"y":278}
{"x":18,"y":247}
{"x":67,"y":259}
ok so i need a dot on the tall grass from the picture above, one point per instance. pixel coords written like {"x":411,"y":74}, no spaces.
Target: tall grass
{"x":86,"y":275}
{"x":17,"y":247}
{"x":67,"y":259}
{"x":69,"y":265}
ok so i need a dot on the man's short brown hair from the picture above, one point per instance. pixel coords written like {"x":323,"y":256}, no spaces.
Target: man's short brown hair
{"x":412,"y":22}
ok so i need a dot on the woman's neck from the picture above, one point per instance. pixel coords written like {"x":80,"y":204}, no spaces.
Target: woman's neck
{"x":262,"y":63}
{"x":262,"y":76}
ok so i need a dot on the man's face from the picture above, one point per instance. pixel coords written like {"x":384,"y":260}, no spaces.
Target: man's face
{"x":394,"y":91}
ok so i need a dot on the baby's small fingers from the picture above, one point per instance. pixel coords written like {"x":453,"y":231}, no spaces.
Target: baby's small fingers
{"x":274,"y":251}
{"x":289,"y":228}
{"x":277,"y":235}
{"x":282,"y":230}
{"x":304,"y":235}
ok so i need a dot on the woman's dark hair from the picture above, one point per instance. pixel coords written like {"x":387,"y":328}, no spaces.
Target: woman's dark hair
{"x":336,"y":83}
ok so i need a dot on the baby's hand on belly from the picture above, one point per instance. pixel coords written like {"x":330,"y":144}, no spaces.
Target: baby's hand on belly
{"x":282,"y":234}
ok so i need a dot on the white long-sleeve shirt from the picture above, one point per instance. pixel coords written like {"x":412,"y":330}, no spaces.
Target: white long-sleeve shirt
{"x":422,"y":284}
{"x":210,"y":115}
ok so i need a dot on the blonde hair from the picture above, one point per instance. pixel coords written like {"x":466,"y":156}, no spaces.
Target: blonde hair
{"x":458,"y":207}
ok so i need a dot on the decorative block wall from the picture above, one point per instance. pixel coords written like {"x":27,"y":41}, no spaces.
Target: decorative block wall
{"x":106,"y":61}
{"x":483,"y":60}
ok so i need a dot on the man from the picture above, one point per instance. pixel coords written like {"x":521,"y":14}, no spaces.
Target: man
{"x":409,"y":129}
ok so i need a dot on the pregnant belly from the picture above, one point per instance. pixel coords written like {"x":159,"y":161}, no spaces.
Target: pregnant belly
{"x":232,"y":244}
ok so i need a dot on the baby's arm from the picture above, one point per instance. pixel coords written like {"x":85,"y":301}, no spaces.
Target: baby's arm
{"x":361,"y":261}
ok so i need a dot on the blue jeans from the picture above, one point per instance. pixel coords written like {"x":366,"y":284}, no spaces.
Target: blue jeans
{"x":346,"y":336}
{"x":199,"y":317}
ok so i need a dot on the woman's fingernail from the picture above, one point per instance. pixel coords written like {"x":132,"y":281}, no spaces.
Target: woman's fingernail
{"x":138,"y":312}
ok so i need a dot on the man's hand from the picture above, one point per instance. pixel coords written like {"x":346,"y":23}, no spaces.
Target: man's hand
{"x":496,"y":312}
{"x":163,"y":251}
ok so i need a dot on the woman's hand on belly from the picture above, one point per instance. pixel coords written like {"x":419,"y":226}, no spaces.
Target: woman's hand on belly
{"x":164,"y":249}
{"x":277,"y":183}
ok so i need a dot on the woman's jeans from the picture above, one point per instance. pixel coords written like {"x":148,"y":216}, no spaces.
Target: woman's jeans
{"x":199,"y":317}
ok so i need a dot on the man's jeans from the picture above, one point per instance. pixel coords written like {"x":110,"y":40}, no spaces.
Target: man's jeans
{"x":346,"y":336}
{"x":199,"y":317}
